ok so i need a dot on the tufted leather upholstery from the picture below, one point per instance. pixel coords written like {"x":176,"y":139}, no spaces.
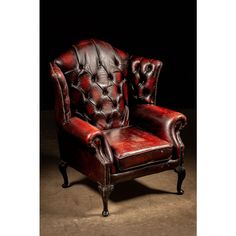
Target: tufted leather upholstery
{"x":144,"y":76}
{"x":108,"y":127}
{"x":96,"y":76}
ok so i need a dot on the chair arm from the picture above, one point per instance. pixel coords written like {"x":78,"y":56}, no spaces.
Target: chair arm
{"x":163,"y":122}
{"x":90,"y":136}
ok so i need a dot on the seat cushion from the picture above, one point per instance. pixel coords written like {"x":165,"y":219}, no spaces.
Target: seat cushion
{"x":133,"y":147}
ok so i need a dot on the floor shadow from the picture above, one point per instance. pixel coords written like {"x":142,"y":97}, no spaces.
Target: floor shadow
{"x":123,"y":191}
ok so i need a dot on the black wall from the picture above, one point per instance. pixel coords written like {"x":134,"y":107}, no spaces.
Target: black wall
{"x":165,"y":30}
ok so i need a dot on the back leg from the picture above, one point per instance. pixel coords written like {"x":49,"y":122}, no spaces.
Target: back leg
{"x":62,"y":168}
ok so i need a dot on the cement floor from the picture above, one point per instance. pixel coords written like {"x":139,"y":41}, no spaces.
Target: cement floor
{"x":144,"y":206}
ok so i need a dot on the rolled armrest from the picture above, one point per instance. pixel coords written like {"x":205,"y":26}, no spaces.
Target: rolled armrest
{"x":163,"y":122}
{"x":82,"y":130}
{"x":89,"y":135}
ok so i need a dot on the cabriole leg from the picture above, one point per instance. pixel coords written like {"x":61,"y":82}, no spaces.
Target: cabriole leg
{"x":105,"y":191}
{"x":62,"y":168}
{"x":181,"y":175}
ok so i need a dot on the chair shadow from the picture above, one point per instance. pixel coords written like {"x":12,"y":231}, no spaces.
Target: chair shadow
{"x":123,"y":191}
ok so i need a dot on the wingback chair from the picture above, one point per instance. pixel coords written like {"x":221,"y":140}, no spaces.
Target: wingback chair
{"x":109,"y":127}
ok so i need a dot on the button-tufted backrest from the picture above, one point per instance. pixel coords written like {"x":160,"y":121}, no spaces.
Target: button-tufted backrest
{"x":96,"y":74}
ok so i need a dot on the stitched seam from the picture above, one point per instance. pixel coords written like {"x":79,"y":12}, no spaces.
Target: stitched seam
{"x":146,"y":164}
{"x":152,"y":149}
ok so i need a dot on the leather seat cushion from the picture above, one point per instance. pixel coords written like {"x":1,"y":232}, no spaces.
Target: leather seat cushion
{"x":133,"y":147}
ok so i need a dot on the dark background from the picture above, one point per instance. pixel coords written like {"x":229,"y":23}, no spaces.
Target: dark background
{"x":165,"y":30}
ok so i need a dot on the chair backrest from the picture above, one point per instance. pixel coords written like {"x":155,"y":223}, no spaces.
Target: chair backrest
{"x":96,"y":75}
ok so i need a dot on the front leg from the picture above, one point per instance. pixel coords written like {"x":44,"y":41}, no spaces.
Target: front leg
{"x":181,"y":176}
{"x":105,"y":191}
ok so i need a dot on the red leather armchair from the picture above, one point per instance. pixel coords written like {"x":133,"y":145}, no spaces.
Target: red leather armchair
{"x":109,"y":127}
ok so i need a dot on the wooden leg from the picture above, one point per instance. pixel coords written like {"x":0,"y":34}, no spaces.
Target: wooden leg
{"x":181,"y":175}
{"x":62,"y":168}
{"x":105,"y":191}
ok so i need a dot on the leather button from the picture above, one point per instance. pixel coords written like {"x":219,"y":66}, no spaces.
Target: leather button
{"x":99,"y":107}
{"x":105,"y":91}
{"x":99,"y":64}
{"x":81,"y":67}
{"x":149,"y":68}
{"x":109,"y":76}
{"x":93,"y":79}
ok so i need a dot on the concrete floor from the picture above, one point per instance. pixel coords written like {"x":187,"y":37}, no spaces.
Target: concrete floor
{"x":145,"y":206}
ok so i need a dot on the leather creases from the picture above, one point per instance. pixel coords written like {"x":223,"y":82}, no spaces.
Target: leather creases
{"x":106,"y":111}
{"x":144,"y":78}
{"x":96,"y":75}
